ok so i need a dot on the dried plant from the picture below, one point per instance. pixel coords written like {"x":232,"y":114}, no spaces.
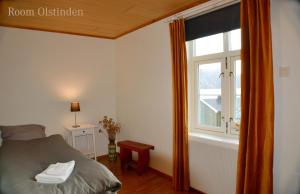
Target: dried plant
{"x":111,"y":127}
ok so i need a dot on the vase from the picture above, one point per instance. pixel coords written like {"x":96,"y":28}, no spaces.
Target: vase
{"x":112,"y":152}
{"x":112,"y":141}
{"x":112,"y":137}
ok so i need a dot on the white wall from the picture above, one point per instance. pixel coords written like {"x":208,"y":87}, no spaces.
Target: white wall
{"x":286,"y":48}
{"x":41,"y":72}
{"x":144,"y":106}
{"x":144,"y":91}
{"x":138,"y":61}
{"x":212,"y":166}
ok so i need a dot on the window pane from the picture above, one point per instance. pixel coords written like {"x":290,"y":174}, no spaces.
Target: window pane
{"x":235,"y":40}
{"x":237,"y":95}
{"x":209,"y":45}
{"x":209,"y":93}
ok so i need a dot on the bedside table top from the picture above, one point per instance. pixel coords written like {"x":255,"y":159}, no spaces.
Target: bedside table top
{"x":82,"y":126}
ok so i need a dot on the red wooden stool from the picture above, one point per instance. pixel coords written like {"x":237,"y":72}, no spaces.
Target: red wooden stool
{"x":126,"y":148}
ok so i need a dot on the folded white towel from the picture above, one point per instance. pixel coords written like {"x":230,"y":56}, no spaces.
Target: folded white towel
{"x":56,"y":173}
{"x":59,"y":169}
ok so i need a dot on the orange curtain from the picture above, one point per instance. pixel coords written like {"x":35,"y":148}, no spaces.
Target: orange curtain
{"x":255,"y":157}
{"x":180,"y":93}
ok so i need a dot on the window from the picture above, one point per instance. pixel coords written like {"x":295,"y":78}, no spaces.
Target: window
{"x":215,"y":79}
{"x":210,"y":44}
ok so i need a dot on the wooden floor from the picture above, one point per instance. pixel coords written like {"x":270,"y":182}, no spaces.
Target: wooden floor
{"x":148,"y":183}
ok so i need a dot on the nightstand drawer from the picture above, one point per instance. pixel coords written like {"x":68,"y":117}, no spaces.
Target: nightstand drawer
{"x":82,"y":132}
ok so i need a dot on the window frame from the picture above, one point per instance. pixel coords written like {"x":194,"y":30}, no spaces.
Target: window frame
{"x":227,"y":58}
{"x":233,"y":130}
{"x":196,"y":65}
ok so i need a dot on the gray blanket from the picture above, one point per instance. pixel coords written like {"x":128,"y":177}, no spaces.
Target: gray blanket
{"x":20,"y":161}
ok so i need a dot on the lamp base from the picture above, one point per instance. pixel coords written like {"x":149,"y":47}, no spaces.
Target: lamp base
{"x":75,"y":126}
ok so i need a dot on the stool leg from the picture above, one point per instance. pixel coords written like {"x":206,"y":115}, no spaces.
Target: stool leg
{"x":143,"y":161}
{"x":125,"y":156}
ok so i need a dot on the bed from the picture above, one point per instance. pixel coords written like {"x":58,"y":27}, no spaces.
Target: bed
{"x":21,"y":160}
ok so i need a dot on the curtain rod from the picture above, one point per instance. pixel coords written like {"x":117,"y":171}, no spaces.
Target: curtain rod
{"x":201,"y":9}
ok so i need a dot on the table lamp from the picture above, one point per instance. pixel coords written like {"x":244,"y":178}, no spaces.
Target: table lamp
{"x":75,"y":107}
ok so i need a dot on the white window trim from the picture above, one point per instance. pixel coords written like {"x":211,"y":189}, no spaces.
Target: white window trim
{"x":232,"y":100}
{"x":226,"y":142}
{"x":196,"y":64}
{"x":193,"y":62}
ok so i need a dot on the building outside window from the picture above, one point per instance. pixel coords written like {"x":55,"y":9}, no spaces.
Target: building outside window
{"x":215,"y":83}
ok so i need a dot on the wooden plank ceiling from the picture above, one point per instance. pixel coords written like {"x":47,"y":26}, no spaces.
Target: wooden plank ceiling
{"x":101,"y":18}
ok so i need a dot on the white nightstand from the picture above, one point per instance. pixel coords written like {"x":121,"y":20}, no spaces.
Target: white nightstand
{"x":83,"y":139}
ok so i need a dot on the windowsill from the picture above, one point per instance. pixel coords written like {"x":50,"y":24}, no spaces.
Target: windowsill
{"x":226,"y":142}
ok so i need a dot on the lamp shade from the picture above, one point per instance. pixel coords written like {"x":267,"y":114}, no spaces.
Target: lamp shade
{"x":75,"y":107}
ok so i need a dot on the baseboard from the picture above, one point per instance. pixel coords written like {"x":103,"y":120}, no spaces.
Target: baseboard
{"x":104,"y":156}
{"x":101,"y":157}
{"x":196,"y":191}
{"x":159,"y":173}
{"x":170,"y":178}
